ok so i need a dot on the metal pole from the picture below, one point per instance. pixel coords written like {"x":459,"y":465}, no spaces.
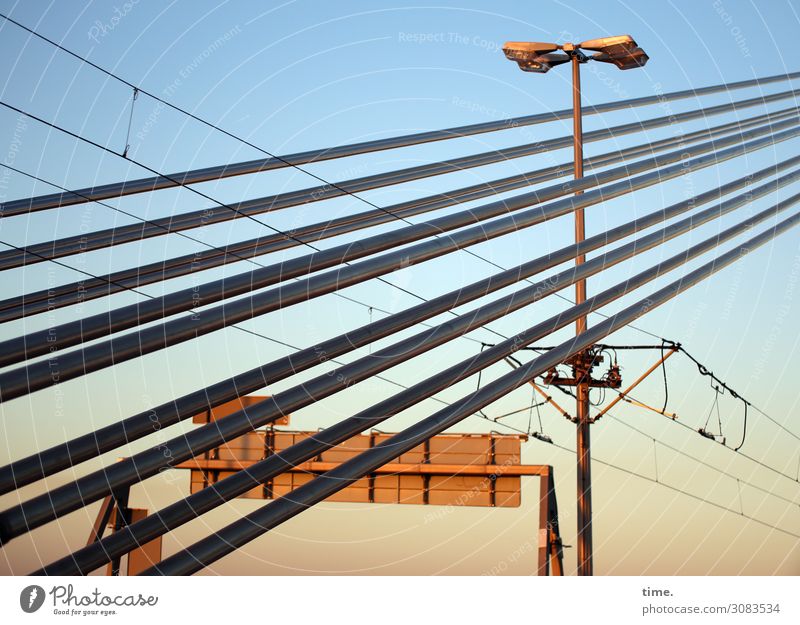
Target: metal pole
{"x":583,"y":448}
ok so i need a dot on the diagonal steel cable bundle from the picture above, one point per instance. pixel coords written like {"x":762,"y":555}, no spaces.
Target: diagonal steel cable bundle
{"x":228,"y":488}
{"x":85,"y":290}
{"x":429,"y":240}
{"x":24,"y":471}
{"x":80,"y":362}
{"x":269,"y":516}
{"x":94,"y":486}
{"x":292,"y":160}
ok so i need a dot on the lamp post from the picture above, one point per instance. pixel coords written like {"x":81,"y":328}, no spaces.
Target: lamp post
{"x":539,"y":57}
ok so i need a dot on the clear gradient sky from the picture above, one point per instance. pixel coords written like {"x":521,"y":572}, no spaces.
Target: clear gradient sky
{"x":297,"y":75}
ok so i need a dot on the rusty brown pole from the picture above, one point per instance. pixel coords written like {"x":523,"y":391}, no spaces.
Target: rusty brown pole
{"x":582,"y":449}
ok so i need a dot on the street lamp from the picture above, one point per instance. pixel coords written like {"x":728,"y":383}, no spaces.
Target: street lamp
{"x":539,"y":57}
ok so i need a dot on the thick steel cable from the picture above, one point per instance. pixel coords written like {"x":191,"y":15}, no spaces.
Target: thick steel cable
{"x":248,"y":260}
{"x":101,"y":286}
{"x":225,"y":212}
{"x":79,"y":362}
{"x":239,"y":533}
{"x":659,"y":98}
{"x":45,"y":463}
{"x":249,"y":216}
{"x":44,"y":508}
{"x":183,"y":511}
{"x":208,"y":197}
{"x":294,"y":160}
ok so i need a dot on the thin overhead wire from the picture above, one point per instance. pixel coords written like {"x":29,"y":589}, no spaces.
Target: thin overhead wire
{"x":683,"y":453}
{"x":760,"y":463}
{"x":681,"y":491}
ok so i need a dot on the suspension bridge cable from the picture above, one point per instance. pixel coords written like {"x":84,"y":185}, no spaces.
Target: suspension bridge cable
{"x":81,"y":243}
{"x":208,"y":216}
{"x":132,"y":345}
{"x":277,"y":231}
{"x":239,"y":533}
{"x":34,"y":513}
{"x":97,"y":145}
{"x":62,"y":456}
{"x":134,"y":290}
{"x":294,"y":160}
{"x":56,"y":297}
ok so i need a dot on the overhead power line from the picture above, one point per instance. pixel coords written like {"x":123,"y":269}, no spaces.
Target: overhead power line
{"x":657,"y":482}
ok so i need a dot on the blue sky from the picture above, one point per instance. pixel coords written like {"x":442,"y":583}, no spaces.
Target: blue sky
{"x":298,"y":75}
